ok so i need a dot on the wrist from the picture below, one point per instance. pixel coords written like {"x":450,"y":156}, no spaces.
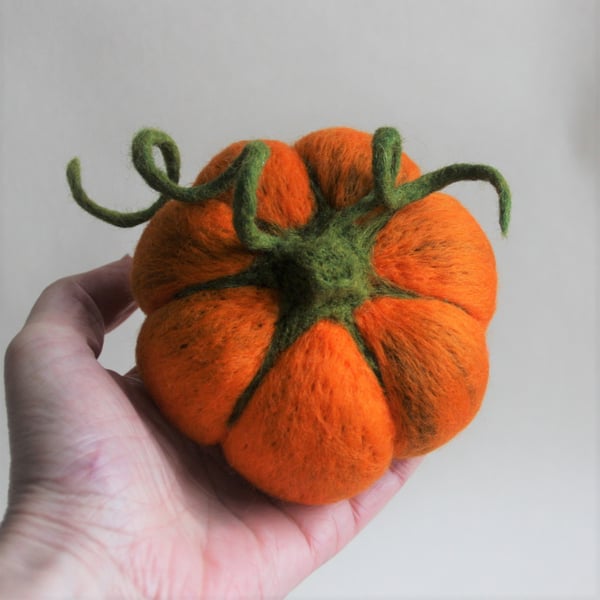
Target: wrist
{"x":29,"y":568}
{"x":41,"y":557}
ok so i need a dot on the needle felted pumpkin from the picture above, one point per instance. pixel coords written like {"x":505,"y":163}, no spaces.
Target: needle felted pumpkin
{"x":315,"y":309}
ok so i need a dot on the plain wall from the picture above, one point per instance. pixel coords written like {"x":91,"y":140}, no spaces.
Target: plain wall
{"x":509,"y":509}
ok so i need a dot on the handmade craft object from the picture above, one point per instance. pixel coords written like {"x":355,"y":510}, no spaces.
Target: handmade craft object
{"x":316,"y":309}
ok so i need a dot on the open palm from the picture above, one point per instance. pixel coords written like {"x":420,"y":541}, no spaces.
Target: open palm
{"x":99,"y":476}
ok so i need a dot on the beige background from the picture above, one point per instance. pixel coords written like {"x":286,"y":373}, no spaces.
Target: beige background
{"x":509,"y":509}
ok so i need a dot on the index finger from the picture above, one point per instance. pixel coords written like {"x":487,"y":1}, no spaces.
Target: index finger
{"x":87,"y":305}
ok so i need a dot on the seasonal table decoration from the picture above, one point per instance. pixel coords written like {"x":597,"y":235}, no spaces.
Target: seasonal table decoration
{"x":317,"y":310}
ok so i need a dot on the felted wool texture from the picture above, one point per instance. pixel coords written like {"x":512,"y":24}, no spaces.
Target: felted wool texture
{"x":436,"y":248}
{"x":196,"y":355}
{"x":184,"y":245}
{"x":187,"y":244}
{"x":284,"y":192}
{"x":433,"y":361}
{"x":318,"y":428}
{"x":340,"y":159}
{"x":308,"y":317}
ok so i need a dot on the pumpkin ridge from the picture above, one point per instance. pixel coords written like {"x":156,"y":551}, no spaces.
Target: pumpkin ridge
{"x":350,"y":324}
{"x":437,"y":248}
{"x":419,"y":386}
{"x":416,"y":412}
{"x":288,"y":328}
{"x":387,"y":288}
{"x":248,"y":277}
{"x":322,"y":206}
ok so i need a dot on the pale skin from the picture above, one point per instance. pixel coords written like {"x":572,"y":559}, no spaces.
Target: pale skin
{"x":107,"y":500}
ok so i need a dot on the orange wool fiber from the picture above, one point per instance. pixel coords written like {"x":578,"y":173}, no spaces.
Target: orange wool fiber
{"x":318,"y":428}
{"x":436,"y":248}
{"x":185,"y":245}
{"x":318,"y":312}
{"x":434,"y":365}
{"x":340,"y":159}
{"x":184,"y":355}
{"x":284,"y":193}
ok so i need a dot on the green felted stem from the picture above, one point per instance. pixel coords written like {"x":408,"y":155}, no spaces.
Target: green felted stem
{"x":245,"y":201}
{"x":387,"y":153}
{"x":142,"y":145}
{"x":114,"y":217}
{"x":437,"y":180}
{"x":141,"y":153}
{"x":321,"y":268}
{"x":246,"y":168}
{"x":143,"y":159}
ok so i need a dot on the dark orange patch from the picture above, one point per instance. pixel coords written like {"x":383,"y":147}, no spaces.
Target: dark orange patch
{"x":198,"y":354}
{"x":436,"y":248}
{"x":341,"y":161}
{"x":434,"y":365}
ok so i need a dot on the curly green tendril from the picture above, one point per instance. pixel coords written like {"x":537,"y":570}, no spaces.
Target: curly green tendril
{"x":244,"y":174}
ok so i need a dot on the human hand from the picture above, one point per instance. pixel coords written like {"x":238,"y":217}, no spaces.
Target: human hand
{"x":107,"y":499}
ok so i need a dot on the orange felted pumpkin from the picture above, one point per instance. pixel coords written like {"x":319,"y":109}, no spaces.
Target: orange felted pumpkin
{"x":315,"y":309}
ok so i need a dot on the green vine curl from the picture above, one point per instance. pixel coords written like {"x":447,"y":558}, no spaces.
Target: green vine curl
{"x":244,"y":174}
